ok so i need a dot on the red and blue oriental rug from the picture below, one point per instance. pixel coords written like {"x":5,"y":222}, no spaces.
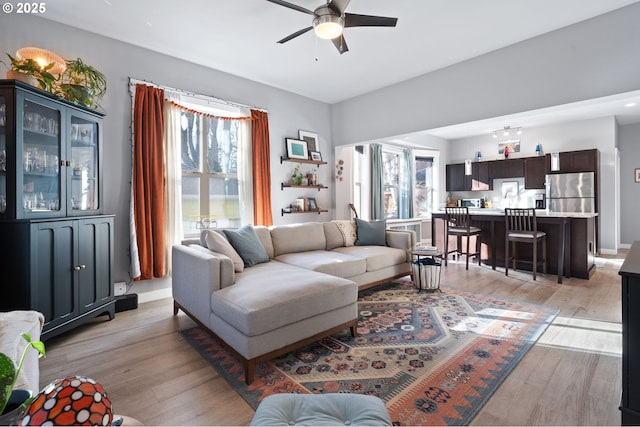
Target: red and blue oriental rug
{"x":433,"y":358}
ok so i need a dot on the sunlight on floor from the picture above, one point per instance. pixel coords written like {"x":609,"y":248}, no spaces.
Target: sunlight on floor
{"x":584,"y":335}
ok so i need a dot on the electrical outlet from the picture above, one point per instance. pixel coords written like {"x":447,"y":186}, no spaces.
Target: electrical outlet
{"x":119,"y":288}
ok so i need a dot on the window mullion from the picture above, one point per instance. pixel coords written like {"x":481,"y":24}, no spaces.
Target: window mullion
{"x":204,"y":173}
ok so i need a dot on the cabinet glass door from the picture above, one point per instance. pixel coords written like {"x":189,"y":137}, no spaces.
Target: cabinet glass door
{"x":3,"y":156}
{"x":40,"y":160}
{"x":83,"y":192}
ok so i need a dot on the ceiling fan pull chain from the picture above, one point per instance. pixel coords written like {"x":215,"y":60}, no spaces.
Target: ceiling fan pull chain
{"x":316,"y":49}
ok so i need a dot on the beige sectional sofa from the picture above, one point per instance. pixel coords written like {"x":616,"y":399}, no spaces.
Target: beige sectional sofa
{"x":306,"y":290}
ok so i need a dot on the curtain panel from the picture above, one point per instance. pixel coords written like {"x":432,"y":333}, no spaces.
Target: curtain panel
{"x":377,"y":182}
{"x":148,"y":181}
{"x":173,"y":174}
{"x":260,"y":157}
{"x":406,"y":185}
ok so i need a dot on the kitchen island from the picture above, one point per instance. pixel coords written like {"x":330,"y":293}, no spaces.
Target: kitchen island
{"x":571,"y":245}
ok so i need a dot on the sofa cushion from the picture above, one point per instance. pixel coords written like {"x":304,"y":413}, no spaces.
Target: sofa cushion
{"x":245,"y":241}
{"x":308,"y":236}
{"x":329,"y":262}
{"x":333,"y":235}
{"x":264,"y":234}
{"x":263,"y":294}
{"x":377,"y":257}
{"x":348,"y":231}
{"x":371,"y":233}
{"x":218,"y":243}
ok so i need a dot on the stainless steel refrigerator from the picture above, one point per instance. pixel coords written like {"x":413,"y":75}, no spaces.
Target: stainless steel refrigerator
{"x":571,"y":192}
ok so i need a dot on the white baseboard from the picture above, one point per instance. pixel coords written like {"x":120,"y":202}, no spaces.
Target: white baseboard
{"x":625,"y":245}
{"x":608,"y":251}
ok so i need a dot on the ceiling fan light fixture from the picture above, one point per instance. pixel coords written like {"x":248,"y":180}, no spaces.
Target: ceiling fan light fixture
{"x":328,"y":26}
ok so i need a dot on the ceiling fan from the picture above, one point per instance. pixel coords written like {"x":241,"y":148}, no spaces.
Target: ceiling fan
{"x":330,"y":20}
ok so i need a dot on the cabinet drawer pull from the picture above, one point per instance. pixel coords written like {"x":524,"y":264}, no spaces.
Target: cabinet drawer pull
{"x":76,"y":268}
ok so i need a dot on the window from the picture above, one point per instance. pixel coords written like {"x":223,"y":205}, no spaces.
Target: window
{"x":423,"y":191}
{"x":391,"y":183}
{"x":210,"y":195}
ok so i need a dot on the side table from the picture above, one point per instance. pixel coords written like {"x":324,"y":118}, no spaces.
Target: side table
{"x":426,"y":267}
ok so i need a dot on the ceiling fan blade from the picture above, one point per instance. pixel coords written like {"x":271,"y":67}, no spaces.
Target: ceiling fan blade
{"x":353,"y":20}
{"x":294,"y":35}
{"x":339,"y":6}
{"x":293,"y":6}
{"x":340,"y":44}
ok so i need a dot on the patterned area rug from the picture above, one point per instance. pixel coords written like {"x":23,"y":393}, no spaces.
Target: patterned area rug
{"x":433,"y":358}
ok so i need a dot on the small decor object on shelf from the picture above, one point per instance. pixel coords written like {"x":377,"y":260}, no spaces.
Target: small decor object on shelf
{"x":538,"y":150}
{"x":315,"y":156}
{"x":296,"y":176}
{"x":300,"y":205}
{"x":74,"y":400}
{"x":311,"y":140}
{"x":297,"y":149}
{"x":311,"y":204}
{"x":478,"y":156}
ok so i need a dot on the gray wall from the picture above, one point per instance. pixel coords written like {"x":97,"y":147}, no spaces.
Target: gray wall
{"x":287,"y":112}
{"x":629,"y":144}
{"x":591,"y":59}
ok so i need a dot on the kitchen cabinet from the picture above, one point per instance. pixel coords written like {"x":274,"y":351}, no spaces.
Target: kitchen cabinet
{"x":58,"y":247}
{"x":480,"y":177}
{"x":535,"y":169}
{"x":576,"y":161}
{"x":630,"y":274}
{"x":508,"y":168}
{"x":583,"y":247}
{"x":61,"y":268}
{"x":456,"y":180}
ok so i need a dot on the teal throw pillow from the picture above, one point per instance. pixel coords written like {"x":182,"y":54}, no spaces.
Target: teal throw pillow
{"x":246,"y":242}
{"x":371,"y":233}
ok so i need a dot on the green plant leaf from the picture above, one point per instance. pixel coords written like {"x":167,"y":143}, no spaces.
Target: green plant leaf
{"x":7,"y":377}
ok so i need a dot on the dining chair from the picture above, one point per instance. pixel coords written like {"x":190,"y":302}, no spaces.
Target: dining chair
{"x":521,"y":226}
{"x":457,"y":222}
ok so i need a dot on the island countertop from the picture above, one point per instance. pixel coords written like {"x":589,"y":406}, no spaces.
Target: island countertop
{"x":539,"y":213}
{"x":570,"y":239}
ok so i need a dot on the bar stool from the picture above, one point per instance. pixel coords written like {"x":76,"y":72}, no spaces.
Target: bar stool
{"x":521,"y":226}
{"x":457,"y":222}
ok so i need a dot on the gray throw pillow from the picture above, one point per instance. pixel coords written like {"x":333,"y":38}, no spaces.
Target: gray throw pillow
{"x":371,"y":233}
{"x":246,"y":242}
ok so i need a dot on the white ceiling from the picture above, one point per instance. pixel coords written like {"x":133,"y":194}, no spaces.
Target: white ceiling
{"x":239,"y":36}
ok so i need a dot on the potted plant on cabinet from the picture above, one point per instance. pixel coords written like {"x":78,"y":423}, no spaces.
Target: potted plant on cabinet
{"x":8,"y":376}
{"x":29,"y":71}
{"x":82,"y":83}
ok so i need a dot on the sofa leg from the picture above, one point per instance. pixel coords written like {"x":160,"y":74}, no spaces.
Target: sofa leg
{"x":354,"y":328}
{"x":249,"y":371}
{"x":176,"y":307}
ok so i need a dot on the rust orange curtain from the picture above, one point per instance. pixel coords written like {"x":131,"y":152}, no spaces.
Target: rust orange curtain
{"x":148,"y":180}
{"x":260,"y":155}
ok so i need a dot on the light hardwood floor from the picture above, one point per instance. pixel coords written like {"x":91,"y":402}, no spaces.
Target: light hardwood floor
{"x":572,"y":376}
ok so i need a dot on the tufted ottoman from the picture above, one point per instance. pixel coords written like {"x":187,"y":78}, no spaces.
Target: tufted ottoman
{"x":332,"y":409}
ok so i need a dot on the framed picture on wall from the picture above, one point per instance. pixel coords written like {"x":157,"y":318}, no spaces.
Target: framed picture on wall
{"x":297,"y":149}
{"x":311,"y":138}
{"x":315,"y":155}
{"x":637,"y":174}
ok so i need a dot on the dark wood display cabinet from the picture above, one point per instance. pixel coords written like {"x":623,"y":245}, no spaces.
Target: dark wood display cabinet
{"x":57,"y":246}
{"x":630,"y":273}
